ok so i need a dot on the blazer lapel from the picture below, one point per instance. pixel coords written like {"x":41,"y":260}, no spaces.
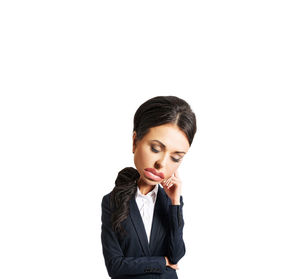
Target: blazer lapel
{"x":158,"y":218}
{"x":139,"y":225}
{"x":157,"y":221}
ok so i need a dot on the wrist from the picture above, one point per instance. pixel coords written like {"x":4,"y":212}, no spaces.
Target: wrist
{"x":176,"y":202}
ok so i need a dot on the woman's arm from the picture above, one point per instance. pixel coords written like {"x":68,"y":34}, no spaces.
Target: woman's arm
{"x":115,"y":261}
{"x":176,"y":223}
{"x":172,"y":187}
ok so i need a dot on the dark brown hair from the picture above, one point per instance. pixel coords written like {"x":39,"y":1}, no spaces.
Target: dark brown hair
{"x":154,"y":112}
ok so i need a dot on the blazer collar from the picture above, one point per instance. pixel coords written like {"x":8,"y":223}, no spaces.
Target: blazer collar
{"x":153,"y":193}
{"x":159,"y":209}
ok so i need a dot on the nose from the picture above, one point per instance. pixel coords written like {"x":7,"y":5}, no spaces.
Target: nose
{"x":161,"y":162}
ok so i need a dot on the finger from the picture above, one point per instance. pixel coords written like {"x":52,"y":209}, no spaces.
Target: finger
{"x":174,"y":181}
{"x":174,"y":178}
{"x":170,"y":183}
{"x":166,"y":186}
{"x":166,"y":180}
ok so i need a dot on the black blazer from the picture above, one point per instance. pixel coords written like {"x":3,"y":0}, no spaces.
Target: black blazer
{"x":132,"y":256}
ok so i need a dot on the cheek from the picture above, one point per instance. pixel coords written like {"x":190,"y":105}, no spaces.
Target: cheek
{"x":148,"y":154}
{"x":172,"y":170}
{"x":142,"y":157}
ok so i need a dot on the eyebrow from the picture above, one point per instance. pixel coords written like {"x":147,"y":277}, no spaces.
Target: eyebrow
{"x":165,"y":146}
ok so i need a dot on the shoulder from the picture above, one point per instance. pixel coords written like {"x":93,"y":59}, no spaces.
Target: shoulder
{"x":105,"y":200}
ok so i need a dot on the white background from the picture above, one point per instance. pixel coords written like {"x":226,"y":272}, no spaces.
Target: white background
{"x":73,"y":74}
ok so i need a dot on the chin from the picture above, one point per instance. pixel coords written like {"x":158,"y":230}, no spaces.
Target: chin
{"x":148,"y":181}
{"x":151,"y":182}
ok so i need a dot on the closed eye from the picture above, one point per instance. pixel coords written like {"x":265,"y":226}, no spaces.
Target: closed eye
{"x":156,"y":151}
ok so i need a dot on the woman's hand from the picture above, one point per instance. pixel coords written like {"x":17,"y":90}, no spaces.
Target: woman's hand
{"x":172,"y":187}
{"x":174,"y":266}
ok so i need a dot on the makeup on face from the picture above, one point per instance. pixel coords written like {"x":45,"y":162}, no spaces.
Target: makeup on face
{"x":160,"y":143}
{"x":163,"y":146}
{"x":160,"y":150}
{"x":151,"y":175}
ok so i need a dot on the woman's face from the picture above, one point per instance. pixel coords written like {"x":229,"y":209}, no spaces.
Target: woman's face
{"x":161,"y":149}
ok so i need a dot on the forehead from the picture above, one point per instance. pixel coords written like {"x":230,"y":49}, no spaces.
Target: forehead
{"x":170,"y":135}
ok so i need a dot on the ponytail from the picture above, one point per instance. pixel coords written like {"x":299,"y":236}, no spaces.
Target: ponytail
{"x":124,"y":190}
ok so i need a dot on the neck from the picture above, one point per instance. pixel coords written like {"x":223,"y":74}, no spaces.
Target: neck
{"x":145,"y":188}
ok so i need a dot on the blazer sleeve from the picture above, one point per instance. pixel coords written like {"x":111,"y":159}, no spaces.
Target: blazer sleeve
{"x":176,"y":224}
{"x":116,"y":263}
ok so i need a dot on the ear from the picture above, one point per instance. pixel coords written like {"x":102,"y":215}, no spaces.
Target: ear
{"x":133,"y":141}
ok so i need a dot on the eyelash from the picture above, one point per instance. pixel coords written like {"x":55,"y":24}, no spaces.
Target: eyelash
{"x":156,"y":151}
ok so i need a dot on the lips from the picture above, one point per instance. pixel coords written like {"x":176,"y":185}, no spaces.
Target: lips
{"x":153,"y":171}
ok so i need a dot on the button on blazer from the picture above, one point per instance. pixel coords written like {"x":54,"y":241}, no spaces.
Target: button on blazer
{"x":132,"y":256}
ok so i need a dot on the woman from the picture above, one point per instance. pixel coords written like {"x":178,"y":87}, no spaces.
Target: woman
{"x":142,"y":221}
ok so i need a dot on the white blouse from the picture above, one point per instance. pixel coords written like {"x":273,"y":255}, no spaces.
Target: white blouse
{"x":146,"y":205}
